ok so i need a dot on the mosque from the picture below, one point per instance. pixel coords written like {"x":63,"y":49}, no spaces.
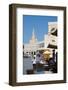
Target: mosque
{"x":49,"y":41}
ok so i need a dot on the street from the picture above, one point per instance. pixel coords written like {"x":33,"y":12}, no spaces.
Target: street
{"x":28,"y":65}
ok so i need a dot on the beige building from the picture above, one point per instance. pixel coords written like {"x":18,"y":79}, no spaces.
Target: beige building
{"x":32,"y":45}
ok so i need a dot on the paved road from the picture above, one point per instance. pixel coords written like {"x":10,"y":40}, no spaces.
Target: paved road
{"x":27,"y":64}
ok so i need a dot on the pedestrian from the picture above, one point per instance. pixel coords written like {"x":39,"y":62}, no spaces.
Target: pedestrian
{"x":38,"y":58}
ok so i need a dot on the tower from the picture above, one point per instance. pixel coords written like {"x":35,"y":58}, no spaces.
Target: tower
{"x":33,"y":39}
{"x":33,"y":34}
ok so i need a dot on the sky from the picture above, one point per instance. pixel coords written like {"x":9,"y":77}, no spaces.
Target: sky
{"x":38,"y":23}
